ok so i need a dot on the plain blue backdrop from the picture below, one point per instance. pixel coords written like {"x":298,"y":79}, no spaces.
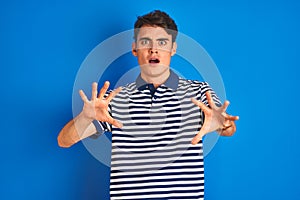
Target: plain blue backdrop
{"x":255,"y":45}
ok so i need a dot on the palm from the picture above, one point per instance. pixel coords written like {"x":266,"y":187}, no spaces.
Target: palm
{"x":215,"y":117}
{"x":101,"y":110}
{"x":97,"y":107}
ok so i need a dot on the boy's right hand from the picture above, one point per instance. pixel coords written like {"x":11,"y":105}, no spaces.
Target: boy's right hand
{"x":97,"y":107}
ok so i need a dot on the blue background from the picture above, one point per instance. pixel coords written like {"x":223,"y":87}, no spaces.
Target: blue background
{"x":255,"y":45}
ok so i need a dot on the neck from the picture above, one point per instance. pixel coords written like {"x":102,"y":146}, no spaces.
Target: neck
{"x":156,"y":80}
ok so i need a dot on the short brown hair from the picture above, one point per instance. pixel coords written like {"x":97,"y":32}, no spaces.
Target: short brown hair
{"x":156,"y":18}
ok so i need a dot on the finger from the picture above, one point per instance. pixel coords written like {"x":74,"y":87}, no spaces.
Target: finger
{"x":201,"y":105}
{"x":94,"y":90}
{"x":83,"y":96}
{"x":228,"y":131}
{"x":114,"y":122}
{"x":225,"y":106}
{"x":227,"y":123}
{"x":113,"y":94}
{"x":232,"y":118}
{"x":209,"y":99}
{"x":103,"y":90}
{"x":197,"y":138}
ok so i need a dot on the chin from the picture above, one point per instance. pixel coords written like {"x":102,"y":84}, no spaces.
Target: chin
{"x":155,"y":70}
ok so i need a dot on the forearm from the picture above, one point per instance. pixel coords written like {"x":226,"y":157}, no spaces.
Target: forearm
{"x":75,"y":130}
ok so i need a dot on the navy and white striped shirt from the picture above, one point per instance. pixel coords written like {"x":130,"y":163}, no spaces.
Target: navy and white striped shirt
{"x":152,"y":155}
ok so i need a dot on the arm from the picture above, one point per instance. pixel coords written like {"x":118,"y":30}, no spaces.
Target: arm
{"x":216,"y":119}
{"x":95,"y":109}
{"x":75,"y":130}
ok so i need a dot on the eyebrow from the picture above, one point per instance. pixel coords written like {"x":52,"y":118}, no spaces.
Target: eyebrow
{"x":144,"y":38}
{"x":159,"y":39}
{"x":162,"y":39}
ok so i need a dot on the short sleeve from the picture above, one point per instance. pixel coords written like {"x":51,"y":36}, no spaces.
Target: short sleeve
{"x":202,"y":97}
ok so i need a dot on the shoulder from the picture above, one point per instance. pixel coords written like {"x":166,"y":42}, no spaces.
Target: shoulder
{"x":129,"y":87}
{"x":127,"y":90}
{"x":192,"y":84}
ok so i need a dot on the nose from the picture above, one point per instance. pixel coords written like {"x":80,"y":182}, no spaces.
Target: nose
{"x":153,"y":51}
{"x":153,"y":48}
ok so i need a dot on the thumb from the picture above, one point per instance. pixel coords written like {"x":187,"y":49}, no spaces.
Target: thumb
{"x":115,"y":123}
{"x":197,"y":138}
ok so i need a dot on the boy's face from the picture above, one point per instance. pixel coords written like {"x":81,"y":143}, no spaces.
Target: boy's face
{"x":153,"y":49}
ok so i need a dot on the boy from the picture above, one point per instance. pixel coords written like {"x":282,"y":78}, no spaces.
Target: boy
{"x":157,"y":122}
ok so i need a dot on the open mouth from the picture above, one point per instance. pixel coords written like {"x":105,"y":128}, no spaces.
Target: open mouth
{"x":154,"y":61}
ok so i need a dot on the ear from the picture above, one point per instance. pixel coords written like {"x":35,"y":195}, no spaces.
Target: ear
{"x":174,"y":47}
{"x":133,"y":49}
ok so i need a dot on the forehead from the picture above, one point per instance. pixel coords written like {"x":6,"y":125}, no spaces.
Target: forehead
{"x":153,"y":32}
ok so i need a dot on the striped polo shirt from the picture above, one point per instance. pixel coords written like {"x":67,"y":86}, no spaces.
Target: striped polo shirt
{"x":152,"y":155}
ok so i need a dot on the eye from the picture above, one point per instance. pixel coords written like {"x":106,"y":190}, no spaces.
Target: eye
{"x":162,"y":42}
{"x":145,"y":42}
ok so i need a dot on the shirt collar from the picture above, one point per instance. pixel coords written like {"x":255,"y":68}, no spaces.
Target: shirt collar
{"x":171,"y":82}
